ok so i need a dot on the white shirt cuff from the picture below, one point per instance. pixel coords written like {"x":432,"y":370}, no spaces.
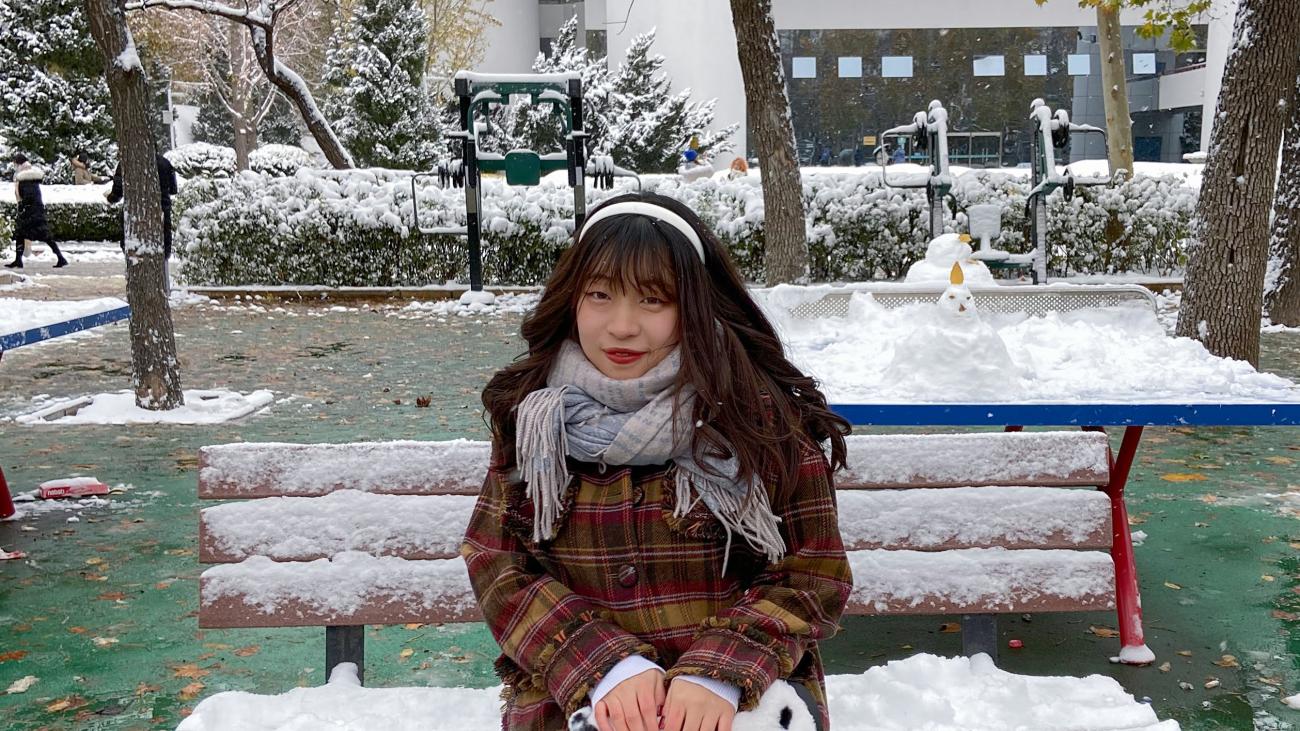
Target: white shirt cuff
{"x":724,"y":690}
{"x":626,"y":668}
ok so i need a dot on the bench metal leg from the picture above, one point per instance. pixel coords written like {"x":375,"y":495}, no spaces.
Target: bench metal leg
{"x":1128,"y":600}
{"x":346,"y":644}
{"x":979,"y":633}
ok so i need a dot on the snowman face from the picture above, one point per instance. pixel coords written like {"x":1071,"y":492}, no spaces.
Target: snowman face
{"x":957,"y":301}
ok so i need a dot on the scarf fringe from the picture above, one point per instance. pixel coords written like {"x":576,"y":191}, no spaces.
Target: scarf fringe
{"x":540,"y":448}
{"x":751,"y":517}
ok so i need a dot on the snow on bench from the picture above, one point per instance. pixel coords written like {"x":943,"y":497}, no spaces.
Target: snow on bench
{"x":346,"y":535}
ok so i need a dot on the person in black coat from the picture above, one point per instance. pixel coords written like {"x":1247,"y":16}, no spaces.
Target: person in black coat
{"x":167,"y":184}
{"x":31,"y":223}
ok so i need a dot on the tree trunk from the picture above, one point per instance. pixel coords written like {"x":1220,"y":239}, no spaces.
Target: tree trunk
{"x":1119,"y":126}
{"x":238,"y":101}
{"x":153,"y":340}
{"x":768,"y":109}
{"x":1282,"y":298}
{"x":1223,"y":289}
{"x":295,"y":90}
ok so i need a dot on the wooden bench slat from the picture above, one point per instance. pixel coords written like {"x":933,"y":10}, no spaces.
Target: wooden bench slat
{"x":308,"y":528}
{"x":361,"y":589}
{"x":980,"y":580}
{"x":975,"y":517}
{"x":266,"y":469}
{"x":1053,"y":459}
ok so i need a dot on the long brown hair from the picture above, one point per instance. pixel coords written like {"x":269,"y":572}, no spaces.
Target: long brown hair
{"x":730,"y":352}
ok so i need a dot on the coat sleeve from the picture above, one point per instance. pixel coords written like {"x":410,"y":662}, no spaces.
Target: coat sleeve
{"x":789,"y":605}
{"x":555,"y":639}
{"x":115,"y":194}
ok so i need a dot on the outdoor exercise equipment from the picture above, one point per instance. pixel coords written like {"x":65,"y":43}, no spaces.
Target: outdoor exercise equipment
{"x":477,"y":94}
{"x":1051,"y":131}
{"x":9,"y":341}
{"x":929,"y":132}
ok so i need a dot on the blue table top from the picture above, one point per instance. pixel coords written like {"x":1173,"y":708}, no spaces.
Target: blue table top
{"x":1067,"y":414}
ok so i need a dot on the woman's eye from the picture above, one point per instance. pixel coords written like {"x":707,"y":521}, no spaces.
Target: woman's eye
{"x":596,"y":294}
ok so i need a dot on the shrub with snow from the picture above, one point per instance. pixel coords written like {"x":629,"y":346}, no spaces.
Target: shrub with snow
{"x":355,"y":227}
{"x":279,"y":160}
{"x":202,"y":160}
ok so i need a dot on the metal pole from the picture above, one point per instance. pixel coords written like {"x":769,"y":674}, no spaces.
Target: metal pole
{"x":577,"y":155}
{"x":473,"y":198}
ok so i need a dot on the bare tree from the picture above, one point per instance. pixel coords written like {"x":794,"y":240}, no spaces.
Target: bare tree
{"x":767,"y":107}
{"x":153,"y":340}
{"x":1282,"y":298}
{"x":1223,"y":287}
{"x":263,"y":20}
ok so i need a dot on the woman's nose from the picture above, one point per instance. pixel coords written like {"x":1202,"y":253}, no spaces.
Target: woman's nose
{"x":624,"y":322}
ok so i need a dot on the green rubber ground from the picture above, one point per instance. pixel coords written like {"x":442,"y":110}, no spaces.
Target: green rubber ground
{"x":103,"y":610}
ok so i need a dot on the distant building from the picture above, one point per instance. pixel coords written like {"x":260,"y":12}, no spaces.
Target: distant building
{"x":857,"y":67}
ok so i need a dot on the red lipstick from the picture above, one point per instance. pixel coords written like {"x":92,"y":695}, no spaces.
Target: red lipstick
{"x":622,"y":356}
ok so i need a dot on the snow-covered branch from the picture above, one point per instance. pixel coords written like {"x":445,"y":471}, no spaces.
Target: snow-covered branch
{"x":241,"y":16}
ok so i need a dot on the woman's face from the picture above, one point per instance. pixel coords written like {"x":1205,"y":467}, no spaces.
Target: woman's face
{"x":625,"y":332}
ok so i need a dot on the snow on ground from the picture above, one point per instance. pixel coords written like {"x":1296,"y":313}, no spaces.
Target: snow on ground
{"x":920,"y":692}
{"x":1093,"y":355}
{"x":201,"y":407}
{"x":18,"y":315}
{"x":505,"y":303}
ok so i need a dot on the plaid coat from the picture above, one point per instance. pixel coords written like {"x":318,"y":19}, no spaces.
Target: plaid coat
{"x":624,"y":576}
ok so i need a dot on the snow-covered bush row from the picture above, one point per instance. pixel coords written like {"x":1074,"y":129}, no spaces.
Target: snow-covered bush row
{"x":280,"y":160}
{"x":202,"y":160}
{"x":355,"y":227}
{"x":70,"y":221}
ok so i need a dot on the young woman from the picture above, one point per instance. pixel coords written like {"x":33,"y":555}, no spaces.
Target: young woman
{"x":30,"y":223}
{"x":657,"y":535}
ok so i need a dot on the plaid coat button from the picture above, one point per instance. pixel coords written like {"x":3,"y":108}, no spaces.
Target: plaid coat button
{"x":627,"y":576}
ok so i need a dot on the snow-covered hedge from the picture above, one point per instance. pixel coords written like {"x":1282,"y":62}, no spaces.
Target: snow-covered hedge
{"x":202,"y":160}
{"x":280,"y":160}
{"x":355,"y":227}
{"x":70,"y":221}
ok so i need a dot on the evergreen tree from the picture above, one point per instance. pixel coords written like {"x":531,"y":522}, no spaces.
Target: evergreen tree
{"x":374,"y":74}
{"x":648,"y":125}
{"x":52,"y":86}
{"x":539,"y":127}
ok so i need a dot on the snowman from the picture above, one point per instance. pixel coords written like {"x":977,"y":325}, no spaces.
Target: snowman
{"x":940,"y":256}
{"x":952,"y":351}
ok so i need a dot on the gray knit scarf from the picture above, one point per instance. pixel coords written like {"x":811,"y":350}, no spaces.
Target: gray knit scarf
{"x":591,"y":417}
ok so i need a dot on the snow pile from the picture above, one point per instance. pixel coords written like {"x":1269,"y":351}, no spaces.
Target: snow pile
{"x":1095,"y":355}
{"x":920,"y":692}
{"x":18,"y":315}
{"x":280,"y":160}
{"x":201,"y":407}
{"x":63,"y":194}
{"x":505,"y":303}
{"x":200,"y":159}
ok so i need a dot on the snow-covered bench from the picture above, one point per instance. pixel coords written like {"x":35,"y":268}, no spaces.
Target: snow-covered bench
{"x":346,"y":535}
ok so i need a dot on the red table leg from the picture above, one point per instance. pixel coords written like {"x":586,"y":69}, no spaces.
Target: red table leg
{"x":1128,"y":601}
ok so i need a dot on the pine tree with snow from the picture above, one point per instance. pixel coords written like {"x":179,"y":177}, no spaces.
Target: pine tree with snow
{"x":376,"y":96}
{"x":648,"y":125}
{"x":52,"y":86}
{"x":538,"y":127}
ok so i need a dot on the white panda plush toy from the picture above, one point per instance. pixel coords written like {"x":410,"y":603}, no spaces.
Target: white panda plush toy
{"x":780,"y":709}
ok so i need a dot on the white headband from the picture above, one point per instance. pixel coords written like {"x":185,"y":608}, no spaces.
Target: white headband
{"x":653,"y":211}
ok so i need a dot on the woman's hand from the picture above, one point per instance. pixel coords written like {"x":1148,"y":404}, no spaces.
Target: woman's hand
{"x":692,"y":707}
{"x":633,"y":705}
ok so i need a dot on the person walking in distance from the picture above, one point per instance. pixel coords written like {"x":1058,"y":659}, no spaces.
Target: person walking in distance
{"x":167,"y":186}
{"x":30,"y":223}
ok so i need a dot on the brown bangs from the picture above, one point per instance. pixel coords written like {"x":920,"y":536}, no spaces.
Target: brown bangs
{"x":632,"y":255}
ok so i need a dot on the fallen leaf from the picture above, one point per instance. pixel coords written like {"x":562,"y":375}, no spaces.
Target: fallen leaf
{"x":1285,"y":616}
{"x":1274,"y":681}
{"x":104,"y":641}
{"x":1165,"y":666}
{"x":179,"y":552}
{"x":1227,"y":661}
{"x":1183,"y":477}
{"x":1279,"y":459}
{"x":12,"y":655}
{"x":112,"y":596}
{"x":1136,"y":520}
{"x":216,"y":645}
{"x":248,"y":651}
{"x":1268,"y":577}
{"x":1103,"y":631}
{"x":414,"y":625}
{"x":21,"y":685}
{"x":191,"y":690}
{"x":950,"y":627}
{"x":78,"y":630}
{"x":189,"y":671}
{"x":1172,"y":585}
{"x":94,"y":561}
{"x":406,"y":653}
{"x":92,"y":576}
{"x":1209,"y":498}
{"x":144,"y":689}
{"x":1185,"y":653}
{"x":64,"y":704}
{"x":162,"y":585}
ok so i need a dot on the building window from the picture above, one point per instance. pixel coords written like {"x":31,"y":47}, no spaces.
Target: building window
{"x":803,"y":67}
{"x":896,"y":67}
{"x":1144,"y":64}
{"x":850,"y":67}
{"x":1079,"y":64}
{"x":597,"y":42}
{"x":1035,"y":65}
{"x":990,"y":66}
